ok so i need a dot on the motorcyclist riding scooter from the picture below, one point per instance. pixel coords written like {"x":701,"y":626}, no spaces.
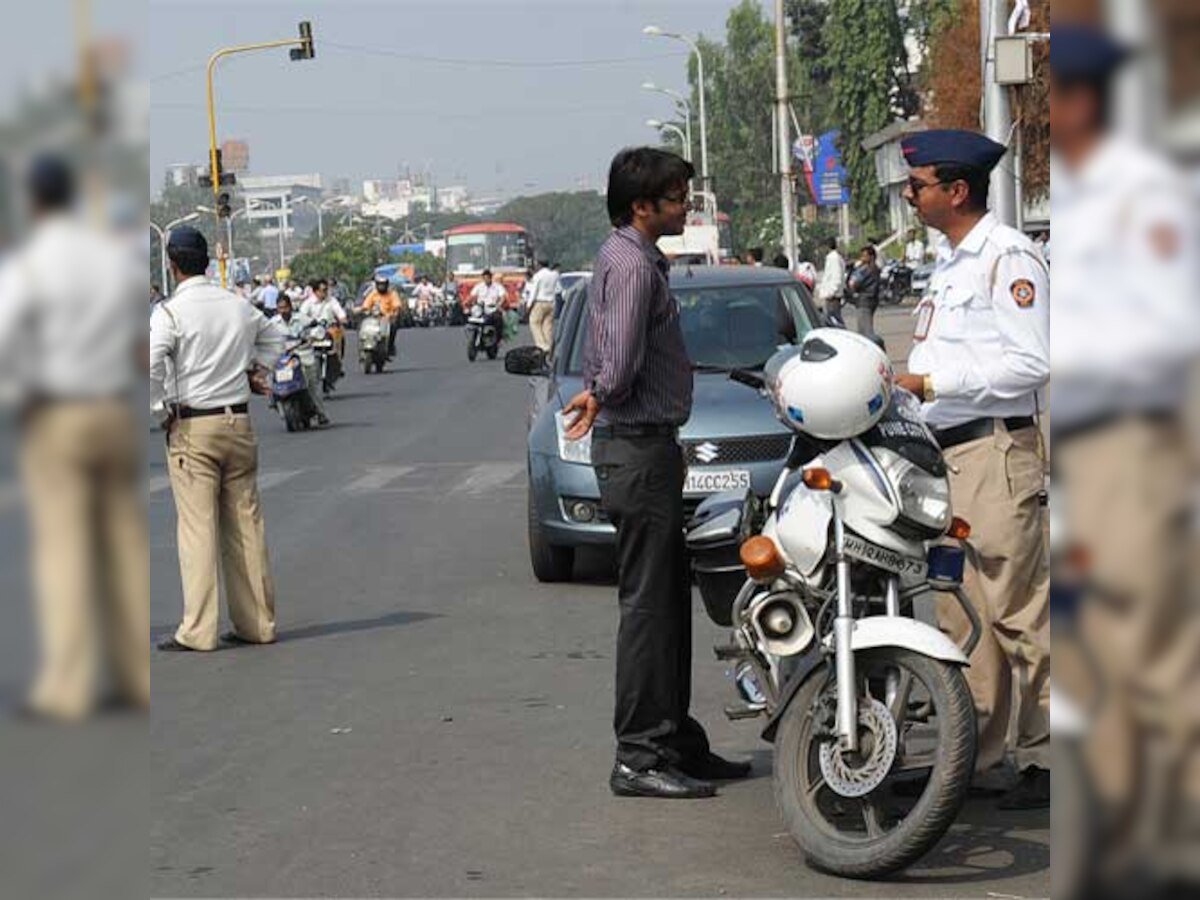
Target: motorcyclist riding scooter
{"x":387,"y":300}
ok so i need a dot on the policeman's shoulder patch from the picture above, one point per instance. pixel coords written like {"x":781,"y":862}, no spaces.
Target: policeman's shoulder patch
{"x":1024,"y":293}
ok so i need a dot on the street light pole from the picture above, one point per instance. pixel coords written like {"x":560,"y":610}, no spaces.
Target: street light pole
{"x":655,"y":31}
{"x":997,"y":113}
{"x":658,"y":125}
{"x":302,"y":49}
{"x":682,"y":101}
{"x":785,"y":143}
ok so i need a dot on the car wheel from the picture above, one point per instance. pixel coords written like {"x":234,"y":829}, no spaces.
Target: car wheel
{"x":551,"y":563}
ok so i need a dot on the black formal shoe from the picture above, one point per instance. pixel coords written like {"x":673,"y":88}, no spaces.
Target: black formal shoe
{"x":170,"y":645}
{"x":714,"y":768}
{"x":232,"y":637}
{"x":1031,"y":792}
{"x":666,"y":783}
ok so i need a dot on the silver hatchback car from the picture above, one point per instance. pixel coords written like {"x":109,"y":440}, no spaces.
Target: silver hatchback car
{"x":732,"y":318}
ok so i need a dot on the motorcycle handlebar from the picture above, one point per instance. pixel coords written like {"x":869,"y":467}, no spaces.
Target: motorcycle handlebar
{"x":750,"y":379}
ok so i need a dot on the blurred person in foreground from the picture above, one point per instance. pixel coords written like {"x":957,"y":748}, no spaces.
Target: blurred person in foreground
{"x":212,"y":339}
{"x":71,"y":314}
{"x":1126,"y":332}
{"x":979,"y":360}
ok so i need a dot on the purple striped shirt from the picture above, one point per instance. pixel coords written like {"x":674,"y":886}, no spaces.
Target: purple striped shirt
{"x":635,"y":364}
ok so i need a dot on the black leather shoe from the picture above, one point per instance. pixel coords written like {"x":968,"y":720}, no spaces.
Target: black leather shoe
{"x":714,"y":768}
{"x":1031,"y":792}
{"x":232,"y":637}
{"x":170,"y":645}
{"x":666,"y":783}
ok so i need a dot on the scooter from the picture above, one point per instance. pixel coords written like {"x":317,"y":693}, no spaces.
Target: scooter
{"x":372,"y":343}
{"x":290,"y":390}
{"x":482,"y":333}
{"x":870,"y":714}
{"x":322,"y":339}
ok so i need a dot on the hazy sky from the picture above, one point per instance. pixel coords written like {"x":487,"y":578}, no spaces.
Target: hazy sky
{"x":515,"y":96}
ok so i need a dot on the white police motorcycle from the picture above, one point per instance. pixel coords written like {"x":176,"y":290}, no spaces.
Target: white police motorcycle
{"x":871,"y":717}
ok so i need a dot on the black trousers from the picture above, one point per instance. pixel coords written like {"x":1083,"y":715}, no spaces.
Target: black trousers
{"x":393,"y":328}
{"x":641,"y":487}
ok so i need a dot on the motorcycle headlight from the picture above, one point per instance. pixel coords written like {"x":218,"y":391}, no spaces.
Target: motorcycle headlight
{"x":579,"y":451}
{"x":924,"y":498}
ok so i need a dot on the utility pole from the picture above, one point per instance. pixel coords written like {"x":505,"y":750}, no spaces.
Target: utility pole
{"x":997,"y":113}
{"x":784,"y":144}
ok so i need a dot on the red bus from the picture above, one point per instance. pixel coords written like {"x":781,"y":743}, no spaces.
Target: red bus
{"x":500,"y":246}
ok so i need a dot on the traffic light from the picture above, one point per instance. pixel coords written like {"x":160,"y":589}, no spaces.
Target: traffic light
{"x":306,"y":50}
{"x":224,"y":206}
{"x":224,"y":179}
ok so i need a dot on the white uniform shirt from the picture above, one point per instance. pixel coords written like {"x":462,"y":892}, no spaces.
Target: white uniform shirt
{"x":983,"y":331}
{"x":914,"y":252}
{"x":72,"y":307}
{"x":213,"y":337}
{"x":1126,"y":316}
{"x":833,"y":277}
{"x":545,"y":286}
{"x":492,"y":297}
{"x":327,"y":310}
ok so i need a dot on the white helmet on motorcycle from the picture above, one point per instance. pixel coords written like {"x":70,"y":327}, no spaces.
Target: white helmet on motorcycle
{"x":835,"y":385}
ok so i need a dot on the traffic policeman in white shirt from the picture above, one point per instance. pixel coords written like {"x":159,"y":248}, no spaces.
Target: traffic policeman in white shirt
{"x":980,"y":359}
{"x":212,"y":339}
{"x":543,"y":289}
{"x":71,"y":310}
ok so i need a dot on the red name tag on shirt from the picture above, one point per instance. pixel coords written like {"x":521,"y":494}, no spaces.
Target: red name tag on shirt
{"x":924,"y":316}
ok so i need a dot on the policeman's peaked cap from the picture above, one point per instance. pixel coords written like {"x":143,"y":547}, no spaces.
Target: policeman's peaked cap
{"x":186,"y":239}
{"x":948,"y":146}
{"x":1084,"y":52}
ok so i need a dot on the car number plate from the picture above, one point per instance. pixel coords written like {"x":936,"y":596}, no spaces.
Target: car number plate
{"x":885,"y":558}
{"x":712,"y":481}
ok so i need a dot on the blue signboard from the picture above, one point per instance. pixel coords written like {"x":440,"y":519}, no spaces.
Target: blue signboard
{"x":827,"y":176}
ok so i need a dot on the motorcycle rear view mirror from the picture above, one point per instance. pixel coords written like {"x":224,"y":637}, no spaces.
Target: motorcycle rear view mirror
{"x":529,"y":361}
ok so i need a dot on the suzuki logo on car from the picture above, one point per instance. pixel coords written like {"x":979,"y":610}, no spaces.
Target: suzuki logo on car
{"x":707,"y":452}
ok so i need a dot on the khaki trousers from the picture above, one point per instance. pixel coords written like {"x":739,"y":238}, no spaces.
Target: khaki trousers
{"x":1127,"y":501}
{"x":213,"y":463}
{"x":541,"y":323}
{"x":82,"y":468}
{"x":994,"y":485}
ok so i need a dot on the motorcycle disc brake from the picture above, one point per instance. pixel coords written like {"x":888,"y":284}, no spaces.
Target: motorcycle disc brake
{"x":857,"y":774}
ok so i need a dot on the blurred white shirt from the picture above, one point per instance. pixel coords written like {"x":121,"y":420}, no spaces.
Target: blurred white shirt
{"x":327,"y":310}
{"x":833,"y":277}
{"x":1126,"y":283}
{"x":72,"y":313}
{"x":212,"y":337}
{"x":491,"y":296}
{"x":545,"y":285}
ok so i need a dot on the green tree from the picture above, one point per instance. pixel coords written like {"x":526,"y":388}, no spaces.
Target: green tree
{"x":869,"y":66}
{"x":567,"y":228}
{"x":349,"y":254}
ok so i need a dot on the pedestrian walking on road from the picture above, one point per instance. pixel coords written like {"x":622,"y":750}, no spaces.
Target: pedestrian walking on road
{"x":544,"y":288}
{"x":638,"y":393}
{"x":865,"y":281}
{"x":832,"y":286}
{"x":212,"y":338}
{"x":73,"y":297}
{"x":980,"y":358}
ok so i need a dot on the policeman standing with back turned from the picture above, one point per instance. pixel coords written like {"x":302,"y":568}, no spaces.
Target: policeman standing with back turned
{"x":980,"y":358}
{"x":211,"y":338}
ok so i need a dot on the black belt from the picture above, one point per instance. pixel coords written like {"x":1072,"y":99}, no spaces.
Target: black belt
{"x":977,"y":428}
{"x":190,"y":412}
{"x":635,"y":431}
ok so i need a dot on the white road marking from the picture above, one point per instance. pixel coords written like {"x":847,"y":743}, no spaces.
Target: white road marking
{"x":488,"y":476}
{"x":378,"y":477}
{"x":268,"y":480}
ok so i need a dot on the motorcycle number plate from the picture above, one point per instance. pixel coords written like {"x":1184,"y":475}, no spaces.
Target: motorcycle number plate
{"x":883,"y":558}
{"x":713,"y":481}
{"x":284,"y":374}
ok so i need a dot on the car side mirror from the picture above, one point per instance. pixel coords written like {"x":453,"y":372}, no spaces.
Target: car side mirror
{"x":530,"y":361}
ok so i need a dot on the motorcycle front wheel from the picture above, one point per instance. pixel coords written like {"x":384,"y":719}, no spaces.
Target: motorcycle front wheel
{"x":472,"y":350}
{"x":899,"y":820}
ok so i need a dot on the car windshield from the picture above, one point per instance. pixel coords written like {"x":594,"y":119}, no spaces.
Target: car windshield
{"x":735,"y":327}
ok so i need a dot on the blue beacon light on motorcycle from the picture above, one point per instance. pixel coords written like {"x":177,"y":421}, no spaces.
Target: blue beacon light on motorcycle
{"x":946,"y":565}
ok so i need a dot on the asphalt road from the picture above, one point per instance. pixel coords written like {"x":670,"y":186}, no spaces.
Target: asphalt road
{"x":432,"y":721}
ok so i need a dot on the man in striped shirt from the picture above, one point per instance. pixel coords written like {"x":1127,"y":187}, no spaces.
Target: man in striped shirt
{"x":637,"y":393}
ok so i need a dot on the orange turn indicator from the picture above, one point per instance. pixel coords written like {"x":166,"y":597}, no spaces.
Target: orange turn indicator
{"x":959,"y":528}
{"x":761,"y":558}
{"x":818,"y":479}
